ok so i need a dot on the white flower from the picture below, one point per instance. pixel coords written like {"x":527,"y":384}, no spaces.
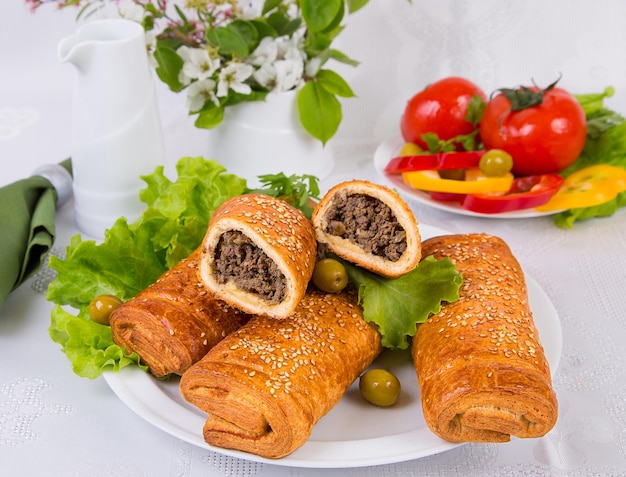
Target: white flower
{"x":266,"y":52}
{"x":266,"y":76}
{"x":199,"y":92}
{"x":198,"y":64}
{"x":130,"y":10}
{"x":313,"y":66}
{"x":150,"y":37}
{"x":290,"y":49}
{"x":183,"y":52}
{"x":233,"y":77}
{"x":288,"y":74}
{"x":250,"y":9}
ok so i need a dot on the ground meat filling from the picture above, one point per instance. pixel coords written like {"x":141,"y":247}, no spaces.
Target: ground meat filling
{"x":238,"y":259}
{"x":367,"y":222}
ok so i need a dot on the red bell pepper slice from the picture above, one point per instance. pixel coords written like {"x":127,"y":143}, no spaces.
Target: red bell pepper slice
{"x":525,"y":193}
{"x":446,"y":196}
{"x":438,"y":161}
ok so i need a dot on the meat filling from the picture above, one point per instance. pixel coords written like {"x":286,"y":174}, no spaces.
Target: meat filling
{"x":237,"y":258}
{"x":369,"y":223}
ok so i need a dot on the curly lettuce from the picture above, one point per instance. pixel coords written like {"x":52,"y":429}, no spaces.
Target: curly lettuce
{"x":398,"y":305}
{"x":131,"y":257}
{"x":605,"y":144}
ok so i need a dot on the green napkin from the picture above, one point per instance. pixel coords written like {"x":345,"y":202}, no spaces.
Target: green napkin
{"x":27,"y":228}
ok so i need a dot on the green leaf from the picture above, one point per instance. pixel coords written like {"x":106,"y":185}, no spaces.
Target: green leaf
{"x":319,"y":14}
{"x":123,"y":267}
{"x":295,"y":189}
{"x":269,"y":5}
{"x":334,"y":83}
{"x":355,"y":5}
{"x":169,"y":66}
{"x":283,"y":24}
{"x":88,"y":345}
{"x":593,"y":103}
{"x":567,"y":218}
{"x":247,"y":31}
{"x":209,"y":117}
{"x":316,"y":43}
{"x":228,"y":40}
{"x":604,"y":145}
{"x":398,"y":305}
{"x":263,"y":28}
{"x":336,"y":22}
{"x":475,"y":109}
{"x":319,"y":111}
{"x":342,"y":58}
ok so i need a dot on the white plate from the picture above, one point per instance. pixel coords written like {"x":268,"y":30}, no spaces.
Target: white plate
{"x":390,"y":148}
{"x":354,"y":433}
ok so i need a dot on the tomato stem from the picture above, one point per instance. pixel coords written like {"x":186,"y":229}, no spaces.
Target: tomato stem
{"x":526,"y":97}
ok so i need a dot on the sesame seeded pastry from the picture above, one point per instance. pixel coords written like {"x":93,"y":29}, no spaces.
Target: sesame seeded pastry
{"x":480,"y":365}
{"x":369,"y":225}
{"x":266,"y":385}
{"x":175,"y":321}
{"x":258,"y":254}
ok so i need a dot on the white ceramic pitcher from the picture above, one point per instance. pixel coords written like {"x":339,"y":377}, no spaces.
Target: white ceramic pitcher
{"x":116,"y":130}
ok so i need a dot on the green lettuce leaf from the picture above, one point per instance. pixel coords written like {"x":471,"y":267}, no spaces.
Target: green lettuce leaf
{"x":88,"y":345}
{"x":131,"y":257}
{"x":567,"y":218}
{"x":398,"y":305}
{"x":605,"y":144}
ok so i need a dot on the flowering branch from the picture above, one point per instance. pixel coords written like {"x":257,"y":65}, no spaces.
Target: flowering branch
{"x":223,"y":52}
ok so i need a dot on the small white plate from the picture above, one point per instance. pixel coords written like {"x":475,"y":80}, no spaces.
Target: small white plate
{"x":390,"y":148}
{"x":354,"y":433}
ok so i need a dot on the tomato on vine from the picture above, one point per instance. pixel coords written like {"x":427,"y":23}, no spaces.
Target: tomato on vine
{"x":544,"y":130}
{"x":441,"y":110}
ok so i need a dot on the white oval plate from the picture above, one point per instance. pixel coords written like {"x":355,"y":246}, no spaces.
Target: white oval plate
{"x":354,"y":433}
{"x":390,"y":148}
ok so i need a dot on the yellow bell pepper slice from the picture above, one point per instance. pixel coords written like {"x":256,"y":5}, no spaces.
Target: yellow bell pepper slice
{"x":475,"y":182}
{"x":587,"y":187}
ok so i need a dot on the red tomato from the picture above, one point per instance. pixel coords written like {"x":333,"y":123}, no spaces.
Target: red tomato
{"x":543,"y":138}
{"x":440,"y":108}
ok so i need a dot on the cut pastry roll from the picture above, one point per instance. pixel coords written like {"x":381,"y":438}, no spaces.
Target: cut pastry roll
{"x":175,"y":321}
{"x":258,"y":254}
{"x":369,"y":225}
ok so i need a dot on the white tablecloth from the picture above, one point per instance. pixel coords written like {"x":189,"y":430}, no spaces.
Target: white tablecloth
{"x":54,"y":423}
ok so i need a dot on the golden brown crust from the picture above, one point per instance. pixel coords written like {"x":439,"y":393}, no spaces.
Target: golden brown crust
{"x":278,"y":229}
{"x":266,"y":385}
{"x":481,"y":368}
{"x":351,"y":251}
{"x":175,"y":321}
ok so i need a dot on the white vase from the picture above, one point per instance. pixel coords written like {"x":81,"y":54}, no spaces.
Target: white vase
{"x":116,"y":128}
{"x":267,"y":137}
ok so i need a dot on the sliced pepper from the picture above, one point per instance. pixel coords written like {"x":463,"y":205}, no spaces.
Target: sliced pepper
{"x":525,"y":193}
{"x":439,"y":161}
{"x":445,"y":196}
{"x":475,"y":182}
{"x":587,"y":187}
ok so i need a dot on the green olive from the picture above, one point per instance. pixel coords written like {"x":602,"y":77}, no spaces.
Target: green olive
{"x":380,"y":387}
{"x":452,"y":174}
{"x":330,"y":275}
{"x":101,"y":307}
{"x":495,"y":163}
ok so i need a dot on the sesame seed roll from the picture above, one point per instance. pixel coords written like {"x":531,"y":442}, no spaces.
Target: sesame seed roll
{"x":480,"y":365}
{"x":266,"y":385}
